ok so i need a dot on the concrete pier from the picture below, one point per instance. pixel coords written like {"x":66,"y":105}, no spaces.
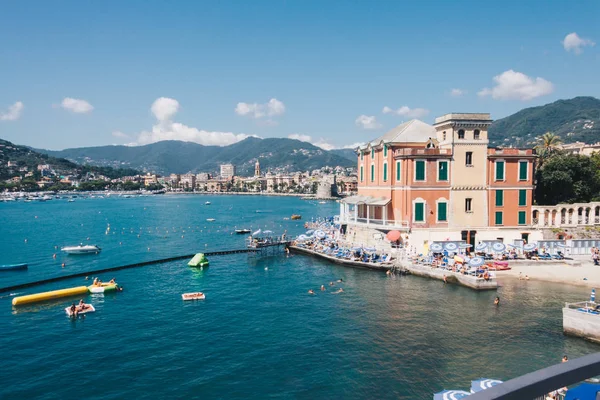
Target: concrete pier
{"x":579,"y":321}
{"x":342,"y":261}
{"x":469,"y":281}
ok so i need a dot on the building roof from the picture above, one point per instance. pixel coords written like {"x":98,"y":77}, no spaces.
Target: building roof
{"x":413,"y":131}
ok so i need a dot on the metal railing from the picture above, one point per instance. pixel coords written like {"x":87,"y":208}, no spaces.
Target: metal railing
{"x":536,"y":385}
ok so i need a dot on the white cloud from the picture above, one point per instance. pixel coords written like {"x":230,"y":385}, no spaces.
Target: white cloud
{"x":512,"y":85}
{"x":271,"y":108}
{"x":367,"y":122}
{"x":457,"y":92}
{"x":322,"y":143}
{"x":353,"y":145}
{"x":13,"y":112}
{"x":406,"y":111}
{"x":164,"y":109}
{"x":76,"y":105}
{"x":572,"y":42}
{"x":119,"y":134}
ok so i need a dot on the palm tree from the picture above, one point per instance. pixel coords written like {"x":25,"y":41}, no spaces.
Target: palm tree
{"x":548,"y":143}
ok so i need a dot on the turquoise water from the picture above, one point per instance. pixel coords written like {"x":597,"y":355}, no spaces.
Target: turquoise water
{"x":258,"y":334}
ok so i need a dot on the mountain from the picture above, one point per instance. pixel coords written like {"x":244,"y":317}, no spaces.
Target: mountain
{"x":576,"y":119}
{"x":180,"y":157}
{"x":27,"y":159}
{"x":346,"y":153}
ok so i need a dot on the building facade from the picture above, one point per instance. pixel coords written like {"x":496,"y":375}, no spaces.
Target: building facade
{"x":442,"y":182}
{"x":227,"y":171}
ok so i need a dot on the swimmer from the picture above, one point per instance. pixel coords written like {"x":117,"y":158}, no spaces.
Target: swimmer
{"x":526,"y":278}
{"x":565,"y":358}
{"x":331,"y":283}
{"x":322,"y":287}
{"x":445,"y":280}
{"x":388,"y":272}
{"x":63,"y":265}
{"x":73,"y":310}
{"x":340,"y":280}
{"x":497,"y":301}
{"x":310,"y":291}
{"x":339,"y":291}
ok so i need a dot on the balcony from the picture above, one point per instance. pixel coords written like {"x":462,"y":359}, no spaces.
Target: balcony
{"x":376,"y":223}
{"x":422,"y":152}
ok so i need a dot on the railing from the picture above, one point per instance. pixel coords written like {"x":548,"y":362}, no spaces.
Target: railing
{"x":379,"y":222}
{"x":537,"y":384}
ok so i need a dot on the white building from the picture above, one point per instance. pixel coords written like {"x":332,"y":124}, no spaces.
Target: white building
{"x":227,"y":171}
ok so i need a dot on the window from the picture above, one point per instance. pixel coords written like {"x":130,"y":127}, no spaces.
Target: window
{"x":469,"y":158}
{"x":361,"y":173}
{"x":468,"y":203}
{"x":442,"y":170}
{"x":499,"y":198}
{"x":444,"y":135}
{"x":398,"y":171}
{"x":361,"y":155}
{"x":522,"y":218}
{"x":522,"y":197}
{"x":499,"y":170}
{"x":523,"y":165}
{"x":461,"y":133}
{"x":372,"y":173}
{"x":372,"y":154}
{"x":442,"y":211}
{"x":385,"y":151}
{"x":419,"y":215}
{"x":498,"y":217}
{"x":384,"y":172}
{"x":420,"y":170}
{"x":476,"y":134}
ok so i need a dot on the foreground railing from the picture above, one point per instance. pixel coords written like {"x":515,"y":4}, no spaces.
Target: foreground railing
{"x":539,"y":383}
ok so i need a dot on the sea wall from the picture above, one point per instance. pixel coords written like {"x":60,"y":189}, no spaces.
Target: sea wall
{"x":581,"y":324}
{"x":453,"y":277}
{"x":341,"y":261}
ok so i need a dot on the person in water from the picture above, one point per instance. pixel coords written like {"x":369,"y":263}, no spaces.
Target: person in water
{"x":340,"y":280}
{"x":565,"y":358}
{"x":497,"y":301}
{"x":73,"y":310}
{"x":331,"y":283}
{"x":322,"y":287}
{"x":339,"y":291}
{"x":310,"y":291}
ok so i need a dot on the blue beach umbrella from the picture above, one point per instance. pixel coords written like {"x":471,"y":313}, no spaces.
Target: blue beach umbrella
{"x":451,"y":247}
{"x":583,"y":391}
{"x":464,"y":246}
{"x":482,"y":384}
{"x":516,"y":246}
{"x":320,"y":234}
{"x":529,"y":246}
{"x":302,"y":237}
{"x":481,"y":247}
{"x":436,"y":247}
{"x":476,"y":262}
{"x":309,"y":232}
{"x":450,"y":395}
{"x":593,"y":296}
{"x":498,"y":247}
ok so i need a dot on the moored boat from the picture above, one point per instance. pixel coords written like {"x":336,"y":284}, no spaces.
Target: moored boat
{"x":13,"y":267}
{"x":296,"y":216}
{"x":207,"y":203}
{"x":193,"y":296}
{"x":242,"y":231}
{"x":81,"y":249}
{"x":210,"y":219}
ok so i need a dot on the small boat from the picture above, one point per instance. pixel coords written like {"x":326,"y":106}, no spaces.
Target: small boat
{"x":88,"y":308}
{"x":207,"y":203}
{"x":242,"y":231}
{"x":210,"y":219}
{"x":81,"y":249}
{"x":199,"y":260}
{"x":70,"y":201}
{"x":12,"y":267}
{"x":296,"y":216}
{"x":193,"y":296}
{"x":322,"y":202}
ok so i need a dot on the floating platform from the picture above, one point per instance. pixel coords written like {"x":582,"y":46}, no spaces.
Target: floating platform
{"x":54,"y":294}
{"x":88,"y":309}
{"x":193,"y":296}
{"x":199,"y":260}
{"x":582,"y":320}
{"x":103,"y":288}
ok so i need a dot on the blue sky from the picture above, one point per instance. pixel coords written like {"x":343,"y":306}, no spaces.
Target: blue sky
{"x":78,"y":74}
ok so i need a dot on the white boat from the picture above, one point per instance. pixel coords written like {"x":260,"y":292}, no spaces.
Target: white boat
{"x":88,"y":309}
{"x":193,"y":296}
{"x":207,"y":203}
{"x":81,"y":249}
{"x":210,"y":219}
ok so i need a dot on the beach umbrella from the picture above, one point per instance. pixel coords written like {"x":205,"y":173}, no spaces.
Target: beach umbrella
{"x":320,"y":234}
{"x":593,"y":296}
{"x":450,"y":395}
{"x":309,"y":232}
{"x":370,"y":249}
{"x":302,"y":237}
{"x":563,"y":245}
{"x":476,"y":262}
{"x":267,"y":232}
{"x":436,"y":247}
{"x":529,"y":247}
{"x":451,"y":246}
{"x":482,"y":384}
{"x":481,"y":247}
{"x":583,"y":391}
{"x":256,"y":233}
{"x":464,"y":246}
{"x":498,"y":247}
{"x":392,"y":236}
{"x":516,"y":246}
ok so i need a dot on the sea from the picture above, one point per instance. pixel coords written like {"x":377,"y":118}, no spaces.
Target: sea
{"x":258,"y":334}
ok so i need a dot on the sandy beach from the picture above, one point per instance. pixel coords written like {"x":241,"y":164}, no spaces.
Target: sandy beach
{"x":579,"y":271}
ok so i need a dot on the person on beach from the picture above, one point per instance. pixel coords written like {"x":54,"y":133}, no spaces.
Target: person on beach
{"x":497,"y":301}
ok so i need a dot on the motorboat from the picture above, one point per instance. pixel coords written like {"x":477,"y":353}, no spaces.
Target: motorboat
{"x":193,"y":296}
{"x":81,"y":249}
{"x":242,"y":231}
{"x":207,"y":203}
{"x":13,"y":267}
{"x":210,"y":219}
{"x":87,"y":308}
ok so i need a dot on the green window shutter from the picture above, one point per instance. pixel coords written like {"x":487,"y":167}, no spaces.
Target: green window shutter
{"x":420,"y":171}
{"x":498,"y":217}
{"x":523,"y":170}
{"x":522,"y":218}
{"x":443,"y":171}
{"x":419,"y":212}
{"x":385,"y":151}
{"x":499,"y":198}
{"x":442,"y":208}
{"x":522,"y":197}
{"x":372,"y":173}
{"x":385,"y":171}
{"x":361,"y":155}
{"x":372,"y":153}
{"x":398,"y":171}
{"x":361,"y":173}
{"x":499,"y":170}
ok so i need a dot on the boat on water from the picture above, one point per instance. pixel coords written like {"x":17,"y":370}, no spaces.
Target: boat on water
{"x":207,"y":203}
{"x":296,"y":216}
{"x":322,"y":202}
{"x":13,"y":267}
{"x":193,"y":296}
{"x":199,"y":260}
{"x":210,"y":219}
{"x":88,"y":308}
{"x":242,"y":231}
{"x":81,"y":249}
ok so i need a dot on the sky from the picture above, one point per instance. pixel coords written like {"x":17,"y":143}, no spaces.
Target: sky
{"x":334,"y":73}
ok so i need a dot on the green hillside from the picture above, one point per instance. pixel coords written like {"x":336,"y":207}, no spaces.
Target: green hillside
{"x":576,"y":119}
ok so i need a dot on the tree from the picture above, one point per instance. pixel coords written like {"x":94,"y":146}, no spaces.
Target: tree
{"x":568,"y":178}
{"x":548,"y":144}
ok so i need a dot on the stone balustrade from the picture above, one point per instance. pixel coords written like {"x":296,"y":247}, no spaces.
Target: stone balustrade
{"x":566,"y":215}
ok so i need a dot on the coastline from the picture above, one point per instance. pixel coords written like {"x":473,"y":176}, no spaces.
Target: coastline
{"x":570,"y":274}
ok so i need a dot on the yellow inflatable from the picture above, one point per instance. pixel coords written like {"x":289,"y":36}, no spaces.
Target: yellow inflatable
{"x":55,"y":294}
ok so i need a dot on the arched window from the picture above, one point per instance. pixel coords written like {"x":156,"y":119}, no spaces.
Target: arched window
{"x":476,"y":134}
{"x":461,"y":133}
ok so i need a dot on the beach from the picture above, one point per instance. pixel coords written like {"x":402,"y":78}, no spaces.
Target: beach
{"x":580,"y":271}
